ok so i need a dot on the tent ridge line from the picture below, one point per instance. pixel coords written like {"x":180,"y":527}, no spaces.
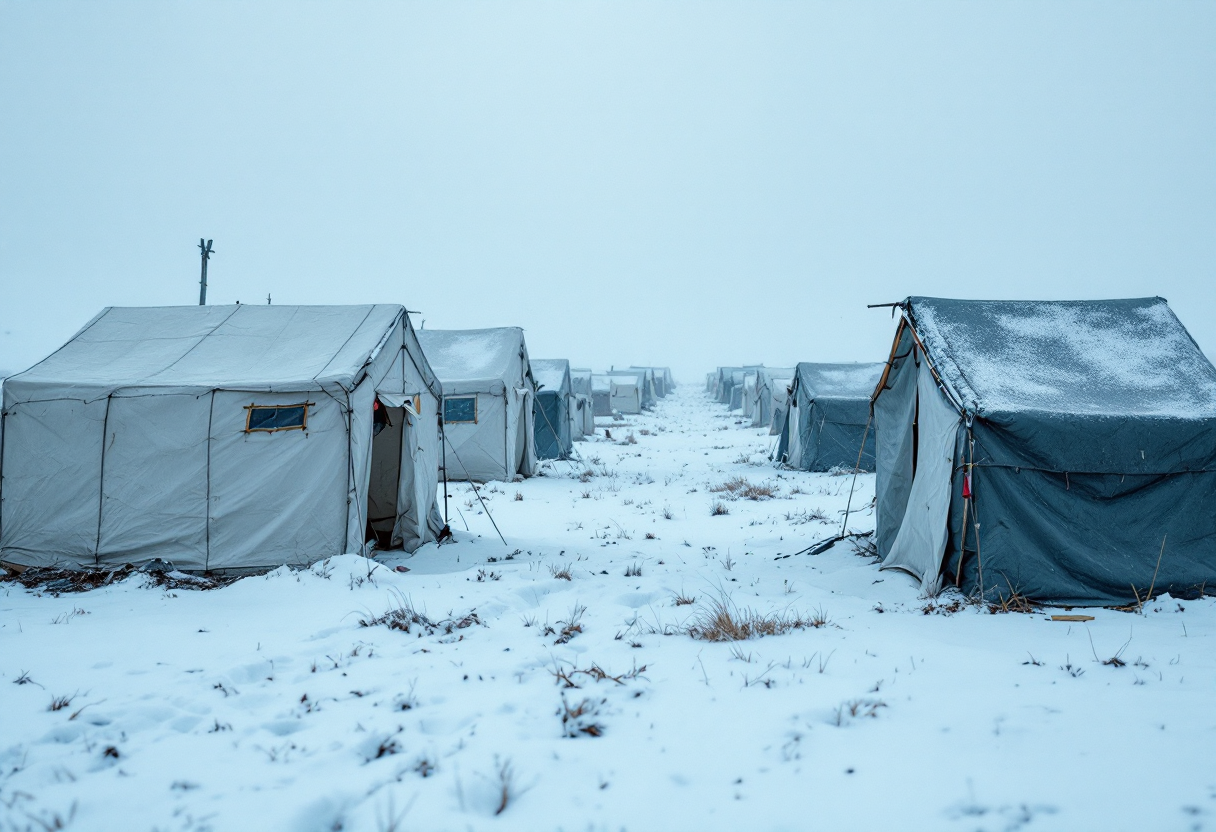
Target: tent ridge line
{"x":193,"y":346}
{"x":347,"y":341}
{"x":951,"y":395}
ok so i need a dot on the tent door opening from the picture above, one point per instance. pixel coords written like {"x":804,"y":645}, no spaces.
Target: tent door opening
{"x":385,"y":478}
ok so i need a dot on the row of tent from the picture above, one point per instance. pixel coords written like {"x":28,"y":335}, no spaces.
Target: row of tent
{"x":1081,"y":433}
{"x":243,"y":437}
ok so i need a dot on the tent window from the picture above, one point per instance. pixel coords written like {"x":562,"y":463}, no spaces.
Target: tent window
{"x":461,"y":409}
{"x":272,"y":418}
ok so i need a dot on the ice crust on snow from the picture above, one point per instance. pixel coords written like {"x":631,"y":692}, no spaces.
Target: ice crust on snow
{"x":1111,"y":357}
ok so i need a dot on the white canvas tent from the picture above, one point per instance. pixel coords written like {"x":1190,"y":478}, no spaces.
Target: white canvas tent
{"x":779,"y":403}
{"x":619,"y":393}
{"x":220,"y":438}
{"x":628,"y":392}
{"x":663,"y":382}
{"x":488,"y":398}
{"x":748,"y":402}
{"x":583,"y":414}
{"x":771,"y":384}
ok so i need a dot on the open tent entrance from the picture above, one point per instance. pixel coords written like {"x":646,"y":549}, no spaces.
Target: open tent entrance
{"x":385,"y":481}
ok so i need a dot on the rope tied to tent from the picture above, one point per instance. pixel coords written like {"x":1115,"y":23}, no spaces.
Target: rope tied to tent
{"x":475,"y":491}
{"x":822,"y":546}
{"x":969,"y":503}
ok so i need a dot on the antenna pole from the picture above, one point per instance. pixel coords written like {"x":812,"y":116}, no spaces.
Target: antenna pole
{"x":205,"y":250}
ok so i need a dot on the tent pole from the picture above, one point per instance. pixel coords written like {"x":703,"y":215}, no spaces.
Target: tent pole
{"x":101,"y":480}
{"x":483,"y":502}
{"x":207,"y":516}
{"x":443,"y":448}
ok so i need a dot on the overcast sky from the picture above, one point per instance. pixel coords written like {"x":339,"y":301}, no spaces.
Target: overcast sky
{"x":689,"y":184}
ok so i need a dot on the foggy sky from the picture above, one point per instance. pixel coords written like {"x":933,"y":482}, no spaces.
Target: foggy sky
{"x":690,"y":184}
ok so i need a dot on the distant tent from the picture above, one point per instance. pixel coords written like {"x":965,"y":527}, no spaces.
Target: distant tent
{"x":748,"y":395}
{"x":551,"y":423}
{"x":601,"y":394}
{"x":1081,"y":433}
{"x":737,"y":380}
{"x":727,"y":382}
{"x":766,"y":390}
{"x":645,"y":382}
{"x":663,"y":383}
{"x":584,"y":414}
{"x":825,"y":423}
{"x":780,"y":401}
{"x":488,"y":399}
{"x":221,"y":438}
{"x":615,"y":392}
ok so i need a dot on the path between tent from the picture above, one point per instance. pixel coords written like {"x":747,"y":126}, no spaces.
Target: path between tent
{"x":567,"y":680}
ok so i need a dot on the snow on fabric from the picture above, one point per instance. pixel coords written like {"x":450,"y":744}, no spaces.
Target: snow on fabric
{"x":1116,"y":357}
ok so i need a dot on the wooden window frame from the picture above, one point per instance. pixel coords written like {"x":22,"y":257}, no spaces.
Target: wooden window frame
{"x":249,"y":408}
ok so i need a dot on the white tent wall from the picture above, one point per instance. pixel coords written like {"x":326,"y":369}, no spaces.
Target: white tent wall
{"x":779,"y":401}
{"x":418,"y":518}
{"x":894,"y":416}
{"x":478,"y":451}
{"x":52,"y":456}
{"x":750,"y":390}
{"x":521,"y":436}
{"x":162,"y":472}
{"x":921,"y":540}
{"x":793,"y":422}
{"x":95,"y":470}
{"x":490,"y":366}
{"x":626,"y":394}
{"x":587,"y":414}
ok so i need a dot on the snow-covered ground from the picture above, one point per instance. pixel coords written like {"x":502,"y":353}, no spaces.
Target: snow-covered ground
{"x":267,"y":705}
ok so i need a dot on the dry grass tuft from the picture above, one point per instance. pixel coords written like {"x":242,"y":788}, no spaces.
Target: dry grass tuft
{"x":580,"y":720}
{"x":561,"y":573}
{"x":718,"y":509}
{"x":58,"y":703}
{"x":721,"y":620}
{"x":404,"y":617}
{"x":740,"y":488}
{"x":55,"y":582}
{"x":506,"y":785}
{"x":634,"y":570}
{"x":856,"y":708}
{"x":565,"y":678}
{"x":571,"y":626}
{"x":1013,"y":602}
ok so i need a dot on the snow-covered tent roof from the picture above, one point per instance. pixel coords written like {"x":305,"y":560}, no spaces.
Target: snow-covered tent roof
{"x":552,"y":374}
{"x":838,"y":381}
{"x":580,"y":380}
{"x":255,"y":348}
{"x":1113,"y":357}
{"x":476,"y":360}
